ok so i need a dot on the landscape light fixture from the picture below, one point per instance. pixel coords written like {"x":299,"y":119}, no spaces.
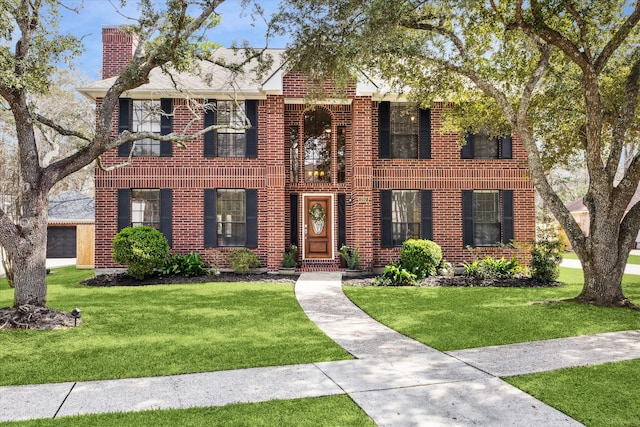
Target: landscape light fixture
{"x":75,"y":313}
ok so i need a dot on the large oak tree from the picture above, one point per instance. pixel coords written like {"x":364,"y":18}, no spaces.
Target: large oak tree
{"x":563,"y":74}
{"x":171,"y":36}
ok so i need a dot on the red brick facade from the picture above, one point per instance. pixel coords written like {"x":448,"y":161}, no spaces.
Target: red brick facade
{"x":188,"y":173}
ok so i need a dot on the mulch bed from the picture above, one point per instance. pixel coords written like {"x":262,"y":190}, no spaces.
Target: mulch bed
{"x":35,"y":317}
{"x":122,"y":279}
{"x":463,"y":281}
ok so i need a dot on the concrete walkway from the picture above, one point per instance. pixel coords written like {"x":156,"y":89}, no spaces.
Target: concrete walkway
{"x":394,"y":379}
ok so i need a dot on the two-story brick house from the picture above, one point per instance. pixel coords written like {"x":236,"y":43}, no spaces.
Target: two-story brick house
{"x":363,"y":168}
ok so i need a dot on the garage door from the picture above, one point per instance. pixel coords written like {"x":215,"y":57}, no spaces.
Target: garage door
{"x":61,"y":242}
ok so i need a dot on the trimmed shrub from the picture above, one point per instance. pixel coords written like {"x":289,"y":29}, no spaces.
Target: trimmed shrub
{"x":546,"y":256}
{"x":142,"y":249}
{"x":395,"y":275}
{"x":490,"y":268}
{"x":420,"y":257}
{"x":241,"y":260}
{"x":185,"y":265}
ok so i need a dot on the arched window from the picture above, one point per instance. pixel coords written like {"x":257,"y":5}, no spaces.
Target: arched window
{"x":317,"y":146}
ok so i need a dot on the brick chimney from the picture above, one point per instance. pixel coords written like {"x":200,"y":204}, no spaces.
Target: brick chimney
{"x":117,"y":50}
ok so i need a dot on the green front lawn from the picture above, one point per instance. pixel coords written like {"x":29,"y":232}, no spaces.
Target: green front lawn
{"x":597,"y":396}
{"x":311,"y":412}
{"x":459,"y":318}
{"x":161,"y":330}
{"x":633,"y":259}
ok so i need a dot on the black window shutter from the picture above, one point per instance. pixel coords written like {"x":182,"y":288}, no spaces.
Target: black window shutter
{"x":384,"y":130}
{"x":342,"y":220}
{"x":124,"y":123}
{"x":210,"y":205}
{"x":425,"y":133}
{"x":293,"y":215}
{"x":166,"y":126}
{"x":426,"y":213}
{"x":467,"y":149}
{"x":507,"y":216}
{"x":386,"y":239}
{"x":251,"y":198}
{"x":251,"y":134}
{"x":467,"y":218}
{"x":166,"y":213}
{"x":505,"y":147}
{"x":211,"y":137}
{"x":124,"y":208}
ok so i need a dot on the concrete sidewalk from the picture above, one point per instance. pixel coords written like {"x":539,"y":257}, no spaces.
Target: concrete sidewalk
{"x":395,"y":379}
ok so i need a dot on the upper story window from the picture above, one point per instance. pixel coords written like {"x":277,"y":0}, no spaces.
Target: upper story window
{"x":317,"y":146}
{"x":146,"y":116}
{"x":483,"y":146}
{"x":229,"y":140}
{"x":404,"y":131}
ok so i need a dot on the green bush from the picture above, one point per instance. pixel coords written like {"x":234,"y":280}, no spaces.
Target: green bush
{"x":142,"y":249}
{"x":185,"y":265}
{"x":420,"y":257}
{"x":351,"y":256}
{"x":241,"y":260}
{"x":546,"y":256}
{"x":490,"y":268}
{"x":395,"y":275}
{"x":290,"y":257}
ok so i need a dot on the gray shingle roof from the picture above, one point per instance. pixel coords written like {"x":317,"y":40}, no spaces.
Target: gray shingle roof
{"x":71,"y":206}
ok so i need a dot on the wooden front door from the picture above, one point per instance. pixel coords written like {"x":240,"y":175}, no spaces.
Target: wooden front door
{"x":318,"y":230}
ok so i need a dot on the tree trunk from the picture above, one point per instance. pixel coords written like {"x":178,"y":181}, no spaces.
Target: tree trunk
{"x":603,"y":272}
{"x":30,"y":271}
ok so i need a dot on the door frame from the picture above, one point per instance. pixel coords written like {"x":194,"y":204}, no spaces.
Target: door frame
{"x":332,"y":202}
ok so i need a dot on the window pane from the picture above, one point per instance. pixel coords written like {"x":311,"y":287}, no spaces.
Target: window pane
{"x":485,"y":147}
{"x":405,"y":215}
{"x":486,"y":217}
{"x":146,"y":118}
{"x":294,"y":142}
{"x":342,"y":155}
{"x":230,"y":220}
{"x":145,"y":208}
{"x":317,"y":146}
{"x":231,"y":142}
{"x":404,"y":131}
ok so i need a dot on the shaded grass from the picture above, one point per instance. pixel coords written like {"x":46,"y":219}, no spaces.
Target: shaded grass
{"x":162,"y":330}
{"x":598,"y":396}
{"x":633,"y":259}
{"x":459,"y":318}
{"x":310,"y":412}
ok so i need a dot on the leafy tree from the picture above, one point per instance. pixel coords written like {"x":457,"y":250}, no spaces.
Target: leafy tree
{"x":171,"y":37}
{"x":563,"y":75}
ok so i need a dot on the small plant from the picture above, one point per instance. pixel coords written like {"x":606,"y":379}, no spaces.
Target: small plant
{"x":142,"y":249}
{"x":420,"y":257}
{"x":546,"y":256}
{"x":185,"y":265}
{"x":290,"y":257}
{"x":490,"y":268}
{"x":445,"y":269}
{"x":351,"y":256}
{"x":242,"y":260}
{"x":395,"y":275}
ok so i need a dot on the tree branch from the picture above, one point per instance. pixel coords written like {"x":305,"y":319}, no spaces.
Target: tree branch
{"x":582,"y":28}
{"x":60,"y":129}
{"x":618,"y":38}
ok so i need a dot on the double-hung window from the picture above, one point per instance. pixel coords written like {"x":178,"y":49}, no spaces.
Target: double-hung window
{"x":404,"y":131}
{"x":230,"y":218}
{"x":146,"y":206}
{"x":405,"y":214}
{"x":482,"y":146}
{"x":231,"y":138}
{"x":487,"y":217}
{"x":151,"y":116}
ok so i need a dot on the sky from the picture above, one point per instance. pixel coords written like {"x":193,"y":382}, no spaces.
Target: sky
{"x":236,"y":25}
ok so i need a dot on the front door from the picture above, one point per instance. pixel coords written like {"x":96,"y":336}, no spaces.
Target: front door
{"x":317,"y":225}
